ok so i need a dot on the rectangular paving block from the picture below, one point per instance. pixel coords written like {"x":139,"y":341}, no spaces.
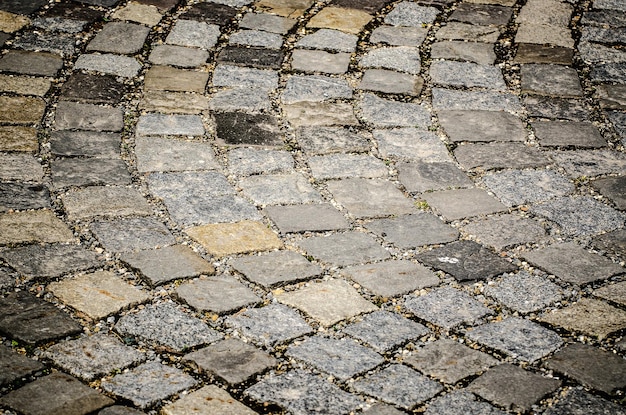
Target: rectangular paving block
{"x":219,"y":294}
{"x":33,"y":226}
{"x":31,"y":63}
{"x":307,"y":217}
{"x":165,"y":124}
{"x":23,"y":196}
{"x":76,"y":116}
{"x":21,"y":110}
{"x":85,"y":143}
{"x":166,"y":78}
{"x":132,"y":234}
{"x":276,"y":268}
{"x":588,"y":316}
{"x":89,"y":172}
{"x":480,"y":125}
{"x":463,"y":203}
{"x":108,"y":63}
{"x":18,"y":138}
{"x":52,"y":260}
{"x":95,"y":201}
{"x":14,"y":366}
{"x":235,"y":238}
{"x":20,"y":166}
{"x":209,"y":399}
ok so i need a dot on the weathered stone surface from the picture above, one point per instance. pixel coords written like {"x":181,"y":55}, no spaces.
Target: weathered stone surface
{"x":132,"y":234}
{"x":399,"y":35}
{"x":412,"y":231}
{"x":611,"y":96}
{"x":105,"y":201}
{"x":460,"y":403}
{"x":166,"y":78}
{"x":21,"y":110}
{"x":118,"y":65}
{"x":496,"y":155}
{"x":193,"y":34}
{"x":412,"y":144}
{"x":421,"y":177}
{"x":14,"y":366}
{"x":256,"y":38}
{"x":312,"y":217}
{"x":93,"y":89}
{"x":589,"y":316}
{"x":614,"y":242}
{"x":237,"y":128}
{"x":467,"y":75}
{"x":380,"y":112}
{"x":119,"y":37}
{"x":220,"y":294}
{"x":337,"y":166}
{"x":525,"y":293}
{"x":242,"y":99}
{"x":22,"y":167}
{"x":252,"y":56}
{"x":23,"y":196}
{"x":506,"y":230}
{"x":346,"y":20}
{"x":11,"y":22}
{"x":209,"y":399}
{"x":613,"y":292}
{"x":18,"y":138}
{"x":166,"y":154}
{"x":452,"y":100}
{"x":314,"y":88}
{"x":391,"y":82}
{"x":267,"y":22}
{"x":146,"y":14}
{"x":237,"y":76}
{"x":541,"y":34}
{"x":518,"y":187}
{"x":287,"y":8}
{"x":180,"y":56}
{"x":468,"y":32}
{"x":211,"y":12}
{"x":477,"y":52}
{"x":550,"y":80}
{"x":33,"y":226}
{"x":410,"y":14}
{"x":579,"y":402}
{"x":544,"y":54}
{"x":279,"y":189}
{"x":589,"y":163}
{"x":31,"y":63}
{"x":568,"y":133}
{"x":234,"y":238}
{"x":276,"y":268}
{"x":370,"y":6}
{"x":320,"y":61}
{"x":344,"y":249}
{"x":165,"y":124}
{"x":399,"y":58}
{"x":325,"y":140}
{"x":482,"y":14}
{"x":33,"y":261}
{"x":24,"y":85}
{"x":89,"y":172}
{"x":245,"y":161}
{"x":613,"y":188}
{"x":463,"y":203}
{"x":329,"y":39}
{"x":481,"y":126}
{"x":75,"y":116}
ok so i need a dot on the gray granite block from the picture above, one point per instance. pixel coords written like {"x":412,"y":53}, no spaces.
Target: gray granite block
{"x":325,"y":140}
{"x":249,"y":161}
{"x":14,"y":366}
{"x":164,"y":324}
{"x":276,"y":268}
{"x":380,"y":112}
{"x":446,"y":99}
{"x":480,"y":125}
{"x":446,"y":307}
{"x":589,"y":162}
{"x":75,"y":116}
{"x":181,"y":56}
{"x":384,"y":330}
{"x":314,"y":88}
{"x":235,"y":76}
{"x":131,"y":234}
{"x":58,"y":43}
{"x":329,"y":39}
{"x":85,"y":143}
{"x":22,"y":167}
{"x":169,"y":154}
{"x":302,"y":218}
{"x":506,"y":230}
{"x":399,"y":35}
{"x":22,"y":196}
{"x":411,"y":144}
{"x":421,"y":177}
{"x":382,"y":409}
{"x":468,"y":32}
{"x":467,"y":75}
{"x":488,"y":156}
{"x":105,"y":201}
{"x":320,"y":61}
{"x":341,"y":249}
{"x":412,"y":231}
{"x":89,"y":172}
{"x":255,"y":57}
{"x":525,"y":293}
{"x":579,"y":402}
{"x":220,"y":294}
{"x":256,"y":38}
{"x":588,"y":316}
{"x":120,"y":410}
{"x":118,"y":65}
{"x":119,"y":37}
{"x":342,"y":358}
{"x":518,"y":187}
{"x":277,"y":189}
{"x":391,"y":82}
{"x":338,"y":166}
{"x":463,"y":203}
{"x":165,"y":124}
{"x":398,"y":58}
{"x":568,"y":133}
{"x":411,"y":14}
{"x":613,"y":242}
{"x":477,"y":52}
{"x":267,"y":22}
{"x":460,"y":403}
{"x":550,"y":80}
{"x":34,"y":261}
{"x":243,"y":99}
{"x":192,"y":33}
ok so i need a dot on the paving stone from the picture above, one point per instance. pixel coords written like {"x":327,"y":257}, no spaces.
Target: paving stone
{"x":399,"y":58}
{"x":32,"y":320}
{"x":33,"y":226}
{"x":209,"y":399}
{"x":193,"y":34}
{"x":89,"y":172}
{"x":22,"y":167}
{"x":31,"y":63}
{"x":412,"y":231}
{"x":93,"y":356}
{"x":398,"y":35}
{"x":613,"y":292}
{"x":235,"y":76}
{"x":24,"y":85}
{"x":611,"y":96}
{"x":329,"y":39}
{"x":312,"y":217}
{"x":344,"y":19}
{"x":307,"y":113}
{"x":225,"y":239}
{"x":74,"y":11}
{"x":595,"y":53}
{"x":148,"y":384}
{"x":551,"y":12}
{"x":446,"y":307}
{"x":220,"y":294}
{"x":18,"y":138}
{"x":449,"y":360}
{"x":557,"y":108}
{"x":568,"y":133}
{"x":75,"y":116}
{"x":249,"y":161}
{"x":267,"y":22}
{"x":256,"y":38}
{"x":287,"y":8}
{"x":412,"y":144}
{"x":370,"y":197}
{"x":452,"y":100}
{"x":270,"y":325}
{"x":320,"y":61}
{"x":580,"y":216}
{"x":391,"y":82}
{"x":279,"y":189}
{"x":276,"y":268}
{"x":242,"y":99}
{"x":122,"y":66}
{"x":324,"y":140}
{"x":119,"y":37}
{"x":410,"y":14}
{"x":459,"y":403}
{"x":463,"y":203}
{"x":589,"y":163}
{"x":98,"y":294}
{"x":314,"y":88}
{"x":422,"y":177}
{"x":146,"y":14}
{"x":328,"y":302}
{"x":541,"y":34}
{"x":105,"y":201}
{"x":15,"y":366}
{"x":380,"y":112}
{"x":55,"y":393}
{"x":301,"y":393}
{"x":342,"y":358}
{"x":518,"y":187}
{"x":164,"y":324}
{"x":384,"y":330}
{"x":93,"y":89}
{"x":608,"y":72}
{"x":130,"y":234}
{"x":609,"y":4}
{"x":477,"y":52}
{"x":231,"y":360}
{"x":252,"y":56}
{"x":102,"y":3}
{"x":58,"y":23}
{"x":506,"y":230}
{"x":579,"y":402}
{"x":467,"y":75}
{"x":382,"y":409}
{"x":166,"y":78}
{"x":513,"y":387}
{"x":525,"y":293}
{"x":468,"y":32}
{"x":166,"y":154}
{"x":550,"y":80}
{"x":392,"y":278}
{"x":370,"y":6}
{"x":33,"y":261}
{"x":249,"y":129}
{"x":120,"y":410}
{"x":528,"y":53}
{"x":180,"y":56}
{"x":23,"y":196}
{"x":22,"y":110}
{"x":482,"y":14}
{"x":169,"y":263}
{"x":336,"y":166}
{"x":210,"y":12}
{"x":613,"y":188}
{"x":591,"y":317}
{"x":613,"y":242}
{"x":489,"y":156}
{"x":11,"y":9}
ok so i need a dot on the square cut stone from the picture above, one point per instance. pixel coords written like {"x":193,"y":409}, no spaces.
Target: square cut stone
{"x":276,"y":268}
{"x":108,"y":63}
{"x":339,"y":18}
{"x":311,"y":217}
{"x":168,"y":154}
{"x":341,"y":249}
{"x":578,"y":401}
{"x":336,"y":166}
{"x":316,"y":88}
{"x":568,"y":133}
{"x":256,"y":38}
{"x":147,"y":14}
{"x":411,"y":144}
{"x":23,"y":196}
{"x":463,"y":203}
{"x":446,"y":307}
{"x":267,"y":22}
{"x":421,"y":177}
{"x":411,"y":14}
{"x":33,"y":261}
{"x":287,"y":8}
{"x":467,"y":125}
{"x":477,"y":52}
{"x":119,"y":37}
{"x":326,"y":140}
{"x":506,"y":230}
{"x":329,"y":39}
{"x":97,"y":295}
{"x":166,"y":78}
{"x":166,"y":124}
{"x":308,"y":113}
{"x":397,"y":58}
{"x":328,"y":302}
{"x":132,"y":234}
{"x":231,"y":360}
{"x":33,"y":226}
{"x":193,"y":34}
{"x":381,"y":112}
{"x":588,"y":316}
{"x":530,"y":53}
{"x":467,"y":75}
{"x":391,"y":278}
{"x":276,"y":189}
{"x":168,"y":263}
{"x":180,"y":56}
{"x":174,"y":102}
{"x":234,"y":238}
{"x":210,"y":12}
{"x":550,"y":80}
{"x":449,"y":360}
{"x":458,"y":100}
{"x":411,"y":231}
{"x":246,"y":161}
{"x":18,"y":138}
{"x":210,"y":400}
{"x":399,"y":35}
{"x":468,"y":32}
{"x":391,"y":82}
{"x":219,"y":294}
{"x":496,"y":155}
{"x":14,"y":366}
{"x":612,"y":242}
{"x":235,"y":128}
{"x":105,"y":201}
{"x":525,"y":293}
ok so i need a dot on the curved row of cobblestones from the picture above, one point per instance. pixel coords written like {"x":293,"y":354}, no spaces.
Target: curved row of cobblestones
{"x":300,"y":206}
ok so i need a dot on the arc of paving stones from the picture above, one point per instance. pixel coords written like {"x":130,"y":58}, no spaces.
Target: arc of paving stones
{"x":262,"y":149}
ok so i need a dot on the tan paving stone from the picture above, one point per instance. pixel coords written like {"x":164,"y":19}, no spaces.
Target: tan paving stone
{"x":346,"y":20}
{"x":18,"y":138}
{"x":105,"y":201}
{"x":33,"y":226}
{"x":307,"y":113}
{"x":19,"y":166}
{"x":166,"y":78}
{"x":591,"y":317}
{"x":10,"y":22}
{"x":24,"y":85}
{"x":21,"y":110}
{"x":174,"y":102}
{"x":613,"y":292}
{"x":98,"y":294}
{"x":543,"y":34}
{"x":224,"y":239}
{"x":140,"y":13}
{"x":208,"y":400}
{"x":286,"y":8}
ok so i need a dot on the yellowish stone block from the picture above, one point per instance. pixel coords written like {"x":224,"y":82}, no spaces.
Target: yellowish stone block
{"x":224,"y":239}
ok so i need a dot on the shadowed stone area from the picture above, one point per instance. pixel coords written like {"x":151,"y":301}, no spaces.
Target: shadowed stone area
{"x":14,"y":366}
{"x":53,"y":260}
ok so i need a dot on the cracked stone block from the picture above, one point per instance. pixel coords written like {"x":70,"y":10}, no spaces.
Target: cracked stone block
{"x":573,"y":264}
{"x":589,"y":316}
{"x":267,"y":22}
{"x":421,"y":177}
{"x":302,"y":218}
{"x":166,"y":78}
{"x":568,"y":133}
{"x":613,"y":188}
{"x":89,"y":172}
{"x":613,"y":292}
{"x":328,"y":302}
{"x":22,"y":167}
{"x":119,"y":37}
{"x":231,"y":360}
{"x":326,"y":140}
{"x":446,"y":307}
{"x":210,"y":399}
{"x":391,"y":278}
{"x":107,"y":63}
{"x":314,"y":88}
{"x":169,"y":263}
{"x":93,"y":356}
{"x":18,"y":138}
{"x":412,"y":231}
{"x":488,"y":156}
{"x":85,"y":143}
{"x":276,"y":268}
{"x":525,"y":293}
{"x":391,"y":82}
{"x":14,"y":366}
{"x":22,"y":110}
{"x":256,"y":57}
{"x":336,"y":166}
{"x":453,"y":100}
{"x":550,"y":80}
{"x":301,"y":393}
{"x":410,"y":14}
{"x":55,"y":393}
{"x":225,"y":239}
{"x":193,"y":34}
{"x":477,"y":52}
{"x":518,"y":187}
{"x":32,"y":320}
{"x":279,"y":189}
{"x":383,"y":330}
{"x":341,"y":249}
{"x":581,"y":402}
{"x":23,"y":196}
{"x":506,"y":230}
{"x":347,"y":20}
{"x":399,"y":35}
{"x":256,"y":38}
{"x":380,"y":112}
{"x":460,"y":403}
{"x":33,"y":226}
{"x":449,"y":360}
{"x":411,"y":144}
{"x":236,"y":76}
{"x":463,"y":203}
{"x":518,"y":338}
{"x":93,"y":89}
{"x":329,"y":39}
{"x":250,"y":129}
{"x":468,"y":32}
{"x":34,"y":261}
{"x":512,"y":387}
{"x":76,"y":116}
{"x":132,"y":234}
{"x":31,"y":63}
{"x":164,"y":324}
{"x":342,"y":358}
{"x":180,"y":56}
{"x":467,"y":75}
{"x":97,"y":295}
{"x":148,"y":384}
{"x":397,"y":58}
{"x":211,"y":12}
{"x":481,"y":125}
{"x":320,"y":61}
{"x":270,"y":325}
{"x":167,"y":154}
{"x":220,"y":294}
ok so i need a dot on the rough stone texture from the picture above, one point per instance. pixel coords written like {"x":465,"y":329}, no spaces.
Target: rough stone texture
{"x":209,"y":399}
{"x":252,"y":56}
{"x":231,"y":360}
{"x":518,"y":187}
{"x":613,"y":242}
{"x":525,"y":293}
{"x":463,"y":203}
{"x":22,"y":110}
{"x":452,"y":100}
{"x":325,"y":140}
{"x":529,"y":53}
{"x":424,"y":176}
{"x":174,"y":102}
{"x":22,"y":167}
{"x":506,"y":230}
{"x":235,"y":128}
{"x":556,"y":108}
{"x":613,"y":292}
{"x":105,"y":201}
{"x":320,"y":61}
{"x":550,"y":80}
{"x":221,"y":294}
{"x":123,"y":66}
{"x":489,"y":156}
{"x":482,"y":14}
{"x":410,"y":14}
{"x":181,"y":56}
{"x":89,"y":172}
{"x":33,"y":226}
{"x":468,"y":32}
{"x":14,"y":366}
{"x":467,"y":75}
{"x":279,"y":189}
{"x":589,"y":163}
{"x":412,"y":231}
{"x":193,"y":34}
{"x":75,"y":116}
{"x":314,"y":88}
{"x":235,"y":76}
{"x":337,"y":166}
{"x":460,"y":403}
{"x":398,"y":58}
{"x":219,"y":14}
{"x":568,"y":133}
{"x":146,"y":14}
{"x":399,"y":35}
{"x":23,"y":196}
{"x":235,"y":238}
{"x":481,"y":125}
{"x":449,"y":360}
{"x":589,"y":316}
{"x":391,"y":82}
{"x":132,"y":234}
{"x":329,"y":39}
{"x":85,"y":143}
{"x":165,"y":154}
{"x":31,"y":63}
{"x":18,"y":138}
{"x":477,"y":52}
{"x":267,"y":22}
{"x":446,"y":307}
{"x":346,"y":20}
{"x":614,"y":188}
{"x":249,"y":161}
{"x":33,"y":261}
{"x":411,"y":144}
{"x":301,"y":218}
{"x":276,"y":268}
{"x":580,"y":402}
{"x":256,"y":38}
{"x":162,"y":124}
{"x":166,"y":78}
{"x":344,"y":248}
{"x":119,"y":37}
{"x":380,"y":112}
{"x":24,"y":85}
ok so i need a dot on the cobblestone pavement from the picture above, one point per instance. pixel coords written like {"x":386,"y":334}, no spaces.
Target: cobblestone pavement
{"x":312,"y":207}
